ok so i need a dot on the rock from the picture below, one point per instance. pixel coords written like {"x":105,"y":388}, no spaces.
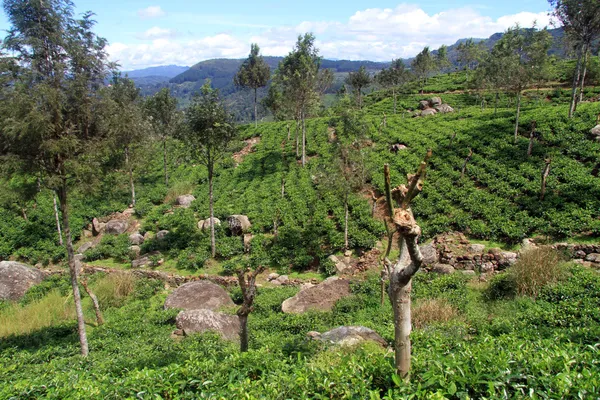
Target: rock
{"x":145,"y":260}
{"x":527,"y":244}
{"x":444,"y":108}
{"x":321,"y":297}
{"x":135,"y":249}
{"x":97,"y":227}
{"x":348,"y":336}
{"x":467,"y":272}
{"x":340,"y":266}
{"x":476,"y":248}
{"x":161,"y":235}
{"x":272,"y":276}
{"x":429,"y":253}
{"x":85,"y":247}
{"x":247,"y":240}
{"x":16,"y":278}
{"x":136,"y":239}
{"x":306,"y":285}
{"x":147,"y":235}
{"x":205,"y":223}
{"x":87,"y":233}
{"x":185,"y":200}
{"x":435,"y":101}
{"x":593,"y":257}
{"x":507,"y":258}
{"x":238,"y":224}
{"x":199,"y":321}
{"x":442,"y":268}
{"x":595,"y":131}
{"x":281,"y":280}
{"x":423,"y":104}
{"x":428,"y":111}
{"x":348,"y":253}
{"x":128,"y":212}
{"x":116,"y":227}
{"x":199,"y":295}
{"x":487,"y":267}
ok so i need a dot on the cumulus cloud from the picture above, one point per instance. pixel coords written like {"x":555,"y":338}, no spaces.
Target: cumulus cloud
{"x":157,"y":33}
{"x":378,"y":34}
{"x":151,"y":12}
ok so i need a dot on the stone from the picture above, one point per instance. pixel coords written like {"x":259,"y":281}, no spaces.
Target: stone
{"x":444,"y":108}
{"x":487,"y":267}
{"x":272,"y":276}
{"x":87,"y":233}
{"x":593,"y":257}
{"x":348,"y":253}
{"x":85,"y":247}
{"x":348,"y":336}
{"x":205,"y":223}
{"x":281,"y":280}
{"x":442,"y":268}
{"x":476,"y":248}
{"x":147,"y":235}
{"x":423,"y":104}
{"x":199,"y":295}
{"x":202,"y":320}
{"x":428,"y":111}
{"x":527,"y":244}
{"x":507,"y":258}
{"x":340,"y":266}
{"x":435,"y":101}
{"x":136,"y":250}
{"x":128,"y":212}
{"x":162,"y":235}
{"x":595,"y":131}
{"x":16,"y":278}
{"x":430,"y":255}
{"x":136,"y":239}
{"x":116,"y":227}
{"x":321,"y":297}
{"x":238,"y":224}
{"x":247,"y":240}
{"x":185,"y":200}
{"x":145,"y":260}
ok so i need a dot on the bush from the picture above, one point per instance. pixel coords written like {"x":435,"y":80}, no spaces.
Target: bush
{"x":502,"y":286}
{"x":536,"y":269}
{"x":113,"y":290}
{"x":116,"y":247}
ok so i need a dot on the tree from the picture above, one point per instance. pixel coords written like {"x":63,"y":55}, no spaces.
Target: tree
{"x":581,"y":22}
{"x":208,"y":134}
{"x":162,"y":110}
{"x":422,"y":65}
{"x":50,"y":125}
{"x":469,"y":54}
{"x":394,"y":76}
{"x":441,"y":58}
{"x":254,"y":73}
{"x":359,"y":80}
{"x":402,"y":221}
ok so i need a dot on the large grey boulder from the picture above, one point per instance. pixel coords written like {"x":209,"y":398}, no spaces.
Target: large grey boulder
{"x":136,"y":239}
{"x":348,"y":336}
{"x":321,"y":297}
{"x":199,"y":295}
{"x":85,"y":247}
{"x":238,"y":224}
{"x":430,"y":255}
{"x":185,"y":200}
{"x":116,"y":227}
{"x":435,"y":101}
{"x":205,"y":223}
{"x":97,"y":227}
{"x":593,"y":257}
{"x":161,"y":235}
{"x":16,"y":278}
{"x":595,"y":131}
{"x":444,"y":108}
{"x":442,"y":268}
{"x":199,"y":321}
{"x":340,"y":266}
{"x":423,"y":104}
{"x":428,"y":111}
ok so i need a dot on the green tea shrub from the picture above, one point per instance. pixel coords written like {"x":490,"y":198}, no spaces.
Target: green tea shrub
{"x":501,"y":286}
{"x":116,"y":247}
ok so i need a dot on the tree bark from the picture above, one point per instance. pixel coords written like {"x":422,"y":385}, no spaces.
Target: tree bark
{"x":62,"y":197}
{"x":464,"y":167}
{"x":213,"y":246}
{"x":576,"y":77}
{"x":56,"y":217}
{"x":130,"y":170}
{"x":394,"y":95}
{"x":99,"y":317}
{"x":297,"y":138}
{"x":545,"y":173}
{"x":248,"y":287}
{"x":165,"y":161}
{"x":346,"y":222}
{"x":303,"y":141}
{"x":255,"y":110}
{"x":496,"y":103}
{"x":531,"y":138}
{"x":582,"y":84}
{"x":243,"y":332}
{"x":517,"y":117}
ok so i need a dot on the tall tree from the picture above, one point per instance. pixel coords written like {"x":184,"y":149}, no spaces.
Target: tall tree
{"x":581,"y":22}
{"x":441,"y":58}
{"x":254,"y":73}
{"x":469,"y":54}
{"x":422,"y":65}
{"x":162,"y":110}
{"x":50,"y":108}
{"x":359,"y":80}
{"x":208,"y":134}
{"x":393,"y":77}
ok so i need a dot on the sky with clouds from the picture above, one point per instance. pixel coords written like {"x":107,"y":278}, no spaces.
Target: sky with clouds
{"x":145,"y":33}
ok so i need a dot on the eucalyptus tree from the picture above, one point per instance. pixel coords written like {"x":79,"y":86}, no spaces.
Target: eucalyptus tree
{"x":393,"y":77}
{"x":358,"y":80}
{"x":441,"y":58}
{"x":469,"y":54}
{"x":422,"y":65}
{"x":50,"y":108}
{"x":254,"y":73}
{"x":208,"y":133}
{"x":581,"y":22}
{"x":162,"y":110}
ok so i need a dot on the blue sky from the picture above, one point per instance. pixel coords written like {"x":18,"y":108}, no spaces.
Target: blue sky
{"x":146,"y":33}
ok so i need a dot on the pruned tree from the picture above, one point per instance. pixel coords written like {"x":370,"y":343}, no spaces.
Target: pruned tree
{"x":359,"y":80}
{"x":208,"y":134}
{"x":545,"y":173}
{"x":50,"y":125}
{"x":400,"y":220}
{"x":254,"y":73}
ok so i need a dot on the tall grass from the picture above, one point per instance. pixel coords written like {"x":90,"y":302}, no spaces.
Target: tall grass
{"x":537,"y":268}
{"x":178,"y":189}
{"x":431,"y":311}
{"x":113,"y":289}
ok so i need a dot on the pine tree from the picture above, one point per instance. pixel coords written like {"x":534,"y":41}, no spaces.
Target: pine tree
{"x":254,"y":73}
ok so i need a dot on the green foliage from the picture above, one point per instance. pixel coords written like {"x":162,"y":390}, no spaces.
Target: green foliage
{"x":111,"y":246}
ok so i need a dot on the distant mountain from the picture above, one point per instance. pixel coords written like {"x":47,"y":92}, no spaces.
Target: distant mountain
{"x":168,"y":71}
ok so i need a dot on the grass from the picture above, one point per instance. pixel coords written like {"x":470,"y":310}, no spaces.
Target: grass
{"x":179,"y":188}
{"x":109,"y":263}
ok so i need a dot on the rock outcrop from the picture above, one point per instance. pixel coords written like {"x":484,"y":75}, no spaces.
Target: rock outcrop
{"x":204,"y":224}
{"x":321,"y":297}
{"x":199,"y":321}
{"x":136,"y":239}
{"x":348,"y":336}
{"x":199,"y":295}
{"x":161,"y":235}
{"x":184,"y":201}
{"x":238,"y":224}
{"x":16,"y":278}
{"x":116,"y":227}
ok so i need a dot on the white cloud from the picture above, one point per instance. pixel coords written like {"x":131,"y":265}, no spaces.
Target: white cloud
{"x":378,"y":34}
{"x":151,"y":12}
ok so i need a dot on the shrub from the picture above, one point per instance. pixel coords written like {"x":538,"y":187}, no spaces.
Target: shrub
{"x":116,"y":247}
{"x":113,"y":290}
{"x":536,"y":269}
{"x":178,"y":189}
{"x":430,"y":311}
{"x":502,"y":286}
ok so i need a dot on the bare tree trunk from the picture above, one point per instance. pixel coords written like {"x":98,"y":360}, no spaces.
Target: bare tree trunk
{"x":99,"y":317}
{"x":24,"y":214}
{"x":394,"y":95}
{"x":452,"y":139}
{"x":297,"y":138}
{"x":545,"y":173}
{"x":243,"y":332}
{"x":130,"y":169}
{"x":288,"y":129}
{"x":213,"y":246}
{"x":464,"y":167}
{"x":582,"y":84}
{"x":165,"y":161}
{"x":247,"y":282}
{"x":531,"y":138}
{"x":282,"y":187}
{"x":303,"y":140}
{"x":346,"y":222}
{"x":255,"y":110}
{"x":496,"y":103}
{"x":517,"y":117}
{"x":62,"y":197}
{"x":576,"y":77}
{"x":60,"y":238}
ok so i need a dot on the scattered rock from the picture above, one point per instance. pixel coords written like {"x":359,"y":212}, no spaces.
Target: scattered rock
{"x":205,"y":223}
{"x":161,"y":235}
{"x":321,"y":297}
{"x":593,"y":257}
{"x":128,"y":212}
{"x":435,"y":101}
{"x":444,"y":108}
{"x":135,"y":249}
{"x":147,"y":235}
{"x":238,"y":224}
{"x":116,"y":227}
{"x":184,"y":201}
{"x":442,"y":268}
{"x":423,"y":104}
{"x":145,"y":260}
{"x":272,"y":276}
{"x":136,"y":239}
{"x":247,"y":240}
{"x":395,"y":148}
{"x":202,"y":320}
{"x":476,"y":248}
{"x":348,"y":336}
{"x":87,"y":233}
{"x":16,"y":278}
{"x":340,"y":266}
{"x":428,"y":111}
{"x":85,"y":247}
{"x":281,"y":280}
{"x":527,"y":244}
{"x":199,"y":295}
{"x":595,"y":131}
{"x":430,"y":255}
{"x":97,"y":227}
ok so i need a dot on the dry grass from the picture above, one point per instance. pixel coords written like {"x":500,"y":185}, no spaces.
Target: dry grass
{"x":113,"y":290}
{"x":50,"y":310}
{"x":537,"y":268}
{"x":430,"y":311}
{"x":179,"y":189}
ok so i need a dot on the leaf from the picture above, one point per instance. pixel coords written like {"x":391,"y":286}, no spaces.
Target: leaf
{"x":397,"y":380}
{"x":452,"y":389}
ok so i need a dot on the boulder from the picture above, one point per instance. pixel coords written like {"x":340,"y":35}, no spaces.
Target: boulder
{"x":507,"y":258}
{"x":185,"y":200}
{"x":135,"y":249}
{"x":97,"y":227}
{"x":238,"y":224}
{"x":595,"y":131}
{"x":340,"y":266}
{"x":116,"y":227}
{"x":128,"y":212}
{"x":205,"y":223}
{"x":247,"y":240}
{"x":281,"y":280}
{"x":16,"y":278}
{"x":147,"y":235}
{"x":321,"y":297}
{"x":272,"y":276}
{"x":161,"y":235}
{"x":593,"y":257}
{"x":442,"y":268}
{"x":435,"y":101}
{"x":476,"y":248}
{"x":430,"y":255}
{"x":199,"y":321}
{"x":423,"y":104}
{"x":85,"y":247}
{"x":199,"y":295}
{"x":136,"y":239}
{"x":428,"y":111}
{"x":145,"y":260}
{"x":444,"y":108}
{"x":87,"y":233}
{"x":348,"y":336}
